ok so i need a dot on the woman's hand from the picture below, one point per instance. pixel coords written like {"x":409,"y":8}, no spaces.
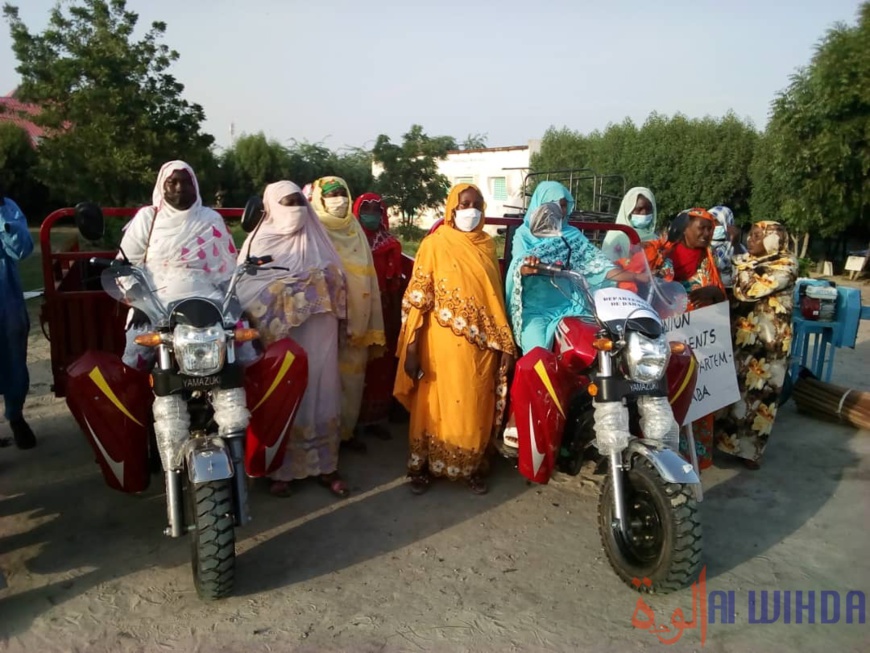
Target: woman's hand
{"x":706,"y":295}
{"x":506,"y":363}
{"x":528,"y":265}
{"x":412,"y":363}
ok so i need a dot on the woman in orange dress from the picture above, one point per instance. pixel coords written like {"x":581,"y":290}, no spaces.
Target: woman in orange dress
{"x":455,"y":347}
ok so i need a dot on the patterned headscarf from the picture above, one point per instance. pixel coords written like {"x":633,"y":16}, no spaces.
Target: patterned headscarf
{"x":775,"y":237}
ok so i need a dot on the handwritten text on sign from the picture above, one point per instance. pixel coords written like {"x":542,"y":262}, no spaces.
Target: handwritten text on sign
{"x":708,"y":332}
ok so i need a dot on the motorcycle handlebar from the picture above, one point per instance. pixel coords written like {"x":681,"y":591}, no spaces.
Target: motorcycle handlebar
{"x":102,"y":262}
{"x":544,"y":268}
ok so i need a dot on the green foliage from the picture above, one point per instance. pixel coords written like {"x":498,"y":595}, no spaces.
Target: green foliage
{"x":255,"y":161}
{"x":112,"y":111}
{"x":685,"y":162}
{"x":474,"y":142}
{"x":17,"y":164}
{"x":812,"y":172}
{"x":410,"y":180}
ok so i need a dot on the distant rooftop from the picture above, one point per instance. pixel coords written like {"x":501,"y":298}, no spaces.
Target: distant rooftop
{"x":15,"y":111}
{"x":509,"y":148}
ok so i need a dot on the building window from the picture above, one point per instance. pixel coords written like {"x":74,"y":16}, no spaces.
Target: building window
{"x":463,"y":180}
{"x":499,"y":189}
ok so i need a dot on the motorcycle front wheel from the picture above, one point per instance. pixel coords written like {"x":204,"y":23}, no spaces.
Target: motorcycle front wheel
{"x":661,"y":549}
{"x":212,"y":538}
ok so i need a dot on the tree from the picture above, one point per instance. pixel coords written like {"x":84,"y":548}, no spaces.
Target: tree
{"x":474,"y":142}
{"x":410,"y":180}
{"x":685,"y":162}
{"x":253,"y":162}
{"x":17,"y":163}
{"x":813,"y":172}
{"x":112,"y":112}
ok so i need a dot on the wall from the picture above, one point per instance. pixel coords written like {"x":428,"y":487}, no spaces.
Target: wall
{"x":484,"y":168}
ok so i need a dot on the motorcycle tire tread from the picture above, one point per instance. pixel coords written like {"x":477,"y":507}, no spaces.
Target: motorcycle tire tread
{"x":688,"y":543}
{"x":213,"y":540}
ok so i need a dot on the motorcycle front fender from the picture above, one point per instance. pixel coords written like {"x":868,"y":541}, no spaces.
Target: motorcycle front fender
{"x":672,"y":467}
{"x":208,"y":459}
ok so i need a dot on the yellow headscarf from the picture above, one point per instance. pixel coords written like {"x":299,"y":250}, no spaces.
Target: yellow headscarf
{"x":364,"y":314}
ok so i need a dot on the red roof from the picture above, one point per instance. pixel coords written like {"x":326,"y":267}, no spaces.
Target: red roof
{"x":14,"y":111}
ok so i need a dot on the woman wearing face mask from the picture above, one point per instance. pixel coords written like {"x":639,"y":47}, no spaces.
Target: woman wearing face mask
{"x":726,"y":242}
{"x":686,"y":249}
{"x":364,"y":338}
{"x":455,"y":347}
{"x":764,"y":281}
{"x":370,"y":210}
{"x":536,"y":306}
{"x":305,"y":302}
{"x":551,"y":191}
{"x":638,"y":211}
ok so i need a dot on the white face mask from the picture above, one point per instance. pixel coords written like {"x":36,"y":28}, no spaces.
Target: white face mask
{"x":336,"y":206}
{"x":719,"y":233}
{"x":288,"y":219}
{"x":467,"y":219}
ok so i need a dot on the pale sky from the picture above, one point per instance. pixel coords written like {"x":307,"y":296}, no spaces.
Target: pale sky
{"x":341,"y":72}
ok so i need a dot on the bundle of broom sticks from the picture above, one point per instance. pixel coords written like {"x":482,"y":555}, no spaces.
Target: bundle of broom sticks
{"x":831,"y":402}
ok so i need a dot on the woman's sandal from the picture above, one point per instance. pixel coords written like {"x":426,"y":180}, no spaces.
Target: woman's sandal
{"x":335,"y":484}
{"x":420,"y":482}
{"x":280,"y":489}
{"x":478,"y":485}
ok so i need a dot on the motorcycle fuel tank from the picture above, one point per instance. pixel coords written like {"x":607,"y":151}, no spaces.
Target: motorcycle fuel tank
{"x":274,"y":386}
{"x":111,"y":403}
{"x":573,"y":343}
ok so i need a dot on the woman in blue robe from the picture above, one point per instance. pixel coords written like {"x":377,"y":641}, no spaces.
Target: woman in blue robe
{"x":15,"y":245}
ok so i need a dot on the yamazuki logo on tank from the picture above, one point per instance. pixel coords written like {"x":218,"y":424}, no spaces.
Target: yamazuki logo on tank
{"x":754,"y":607}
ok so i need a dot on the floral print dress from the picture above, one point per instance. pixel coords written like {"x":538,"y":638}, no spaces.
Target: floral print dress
{"x":761,"y":314}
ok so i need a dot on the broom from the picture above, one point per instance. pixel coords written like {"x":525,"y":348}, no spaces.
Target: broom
{"x":831,"y":402}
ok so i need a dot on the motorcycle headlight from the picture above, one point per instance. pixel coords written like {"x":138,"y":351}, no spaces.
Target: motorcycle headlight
{"x":646,"y":358}
{"x":200,"y":352}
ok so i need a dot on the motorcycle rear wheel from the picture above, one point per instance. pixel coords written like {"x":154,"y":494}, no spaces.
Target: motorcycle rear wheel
{"x":662,"y":549}
{"x":212,"y":538}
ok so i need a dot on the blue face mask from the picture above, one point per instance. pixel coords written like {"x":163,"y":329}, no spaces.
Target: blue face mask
{"x":641,"y":221}
{"x":719,"y":233}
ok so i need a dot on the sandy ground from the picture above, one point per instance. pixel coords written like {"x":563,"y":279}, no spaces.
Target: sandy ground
{"x":520,"y":569}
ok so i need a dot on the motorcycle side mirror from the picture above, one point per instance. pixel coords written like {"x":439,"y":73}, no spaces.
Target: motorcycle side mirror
{"x":253,"y":213}
{"x":89,"y":221}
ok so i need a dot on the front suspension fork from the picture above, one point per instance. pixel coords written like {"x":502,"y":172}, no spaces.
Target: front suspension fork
{"x":241,"y":512}
{"x":617,"y":470}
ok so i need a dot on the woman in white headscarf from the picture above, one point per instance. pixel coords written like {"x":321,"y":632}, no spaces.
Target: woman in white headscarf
{"x":305,"y":302}
{"x":184,"y":248}
{"x":638,"y":211}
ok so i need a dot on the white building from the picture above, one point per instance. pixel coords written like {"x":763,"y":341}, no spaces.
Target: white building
{"x":497,"y":171}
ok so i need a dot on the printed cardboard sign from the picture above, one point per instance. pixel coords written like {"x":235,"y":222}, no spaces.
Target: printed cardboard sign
{"x":708,"y":332}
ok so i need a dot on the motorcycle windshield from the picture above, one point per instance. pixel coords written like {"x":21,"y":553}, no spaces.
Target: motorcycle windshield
{"x":128,"y":284}
{"x":667,"y":298}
